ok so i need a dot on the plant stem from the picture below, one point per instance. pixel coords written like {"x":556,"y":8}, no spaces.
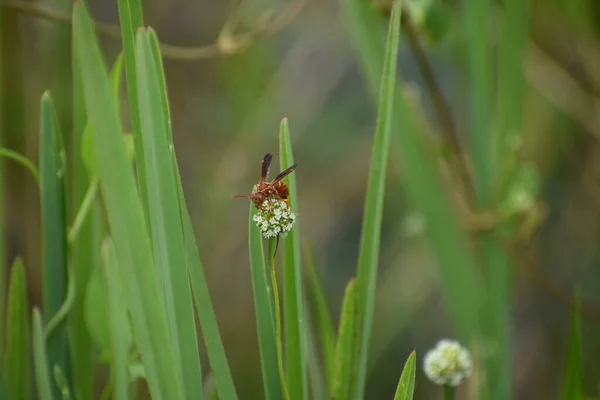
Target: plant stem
{"x":272,"y":249}
{"x":21,"y":159}
{"x":86,"y":204}
{"x":449,"y":392}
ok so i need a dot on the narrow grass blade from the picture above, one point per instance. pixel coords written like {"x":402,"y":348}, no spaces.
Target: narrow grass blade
{"x":18,"y":345}
{"x":316,"y":372}
{"x":483,"y":155}
{"x":131,"y":19}
{"x":511,"y":103}
{"x":423,"y":180}
{"x":295,"y":333}
{"x":371,"y":230}
{"x":54,"y":228}
{"x":126,"y":218}
{"x":346,"y":367}
{"x":324,"y":321}
{"x":265,"y":319}
{"x":119,"y":332}
{"x":165,"y":217}
{"x":40,"y":360}
{"x":85,"y":256}
{"x":573,"y":374}
{"x":406,"y":385}
{"x":206,"y":313}
{"x":208,"y":320}
{"x":477,"y":16}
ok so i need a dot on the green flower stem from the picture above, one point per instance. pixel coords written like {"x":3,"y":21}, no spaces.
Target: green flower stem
{"x":21,"y":159}
{"x":449,"y":392}
{"x":272,"y":250}
{"x":86,"y":205}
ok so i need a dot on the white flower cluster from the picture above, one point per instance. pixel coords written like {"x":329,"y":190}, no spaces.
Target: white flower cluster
{"x":448,"y":363}
{"x":274,"y":217}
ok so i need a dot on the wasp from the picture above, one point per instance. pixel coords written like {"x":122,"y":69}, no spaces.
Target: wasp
{"x":275,"y":189}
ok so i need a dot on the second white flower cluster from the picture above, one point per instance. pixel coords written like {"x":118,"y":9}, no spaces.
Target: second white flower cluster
{"x":274,"y":217}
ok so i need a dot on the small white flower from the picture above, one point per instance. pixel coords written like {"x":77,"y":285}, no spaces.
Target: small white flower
{"x":274,"y":218}
{"x":448,"y":363}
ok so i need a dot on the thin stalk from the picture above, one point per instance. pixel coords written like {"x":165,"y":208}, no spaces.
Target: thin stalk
{"x":24,"y":161}
{"x":86,"y":205}
{"x":449,"y":392}
{"x":272,"y":250}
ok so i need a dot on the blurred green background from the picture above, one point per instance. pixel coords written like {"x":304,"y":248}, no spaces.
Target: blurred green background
{"x":226,"y":111}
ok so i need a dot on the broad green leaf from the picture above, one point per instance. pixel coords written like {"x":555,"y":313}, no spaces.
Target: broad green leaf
{"x":18,"y":347}
{"x":263,"y":307}
{"x":54,"y":228}
{"x":126,"y":217}
{"x":40,"y":359}
{"x":344,"y":379}
{"x":324,"y":321}
{"x":295,"y":333}
{"x":87,"y":145}
{"x":165,"y":217}
{"x":371,"y":230}
{"x":96,"y":312}
{"x":119,"y":336}
{"x":406,"y":385}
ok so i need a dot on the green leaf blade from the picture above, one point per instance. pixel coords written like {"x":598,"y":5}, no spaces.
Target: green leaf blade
{"x":371,"y":230}
{"x":206,"y":314}
{"x":18,"y":349}
{"x":131,"y":19}
{"x":126,"y":217}
{"x":324,"y":321}
{"x":165,"y":217}
{"x":54,"y":229}
{"x":406,"y":385}
{"x":293,"y":303}
{"x":344,"y":380}
{"x":265,"y":319}
{"x":40,"y":359}
{"x":118,"y":322}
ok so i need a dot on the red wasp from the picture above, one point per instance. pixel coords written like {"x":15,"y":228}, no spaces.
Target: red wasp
{"x":275,"y":189}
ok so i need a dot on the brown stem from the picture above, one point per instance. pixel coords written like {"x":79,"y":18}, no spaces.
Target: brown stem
{"x":235,"y":44}
{"x":442,"y":109}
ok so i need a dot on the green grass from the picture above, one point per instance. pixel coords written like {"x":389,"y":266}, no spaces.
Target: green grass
{"x":265,"y":313}
{"x":165,"y":218}
{"x":17,"y":369}
{"x":53,"y":204}
{"x":295,"y":333}
{"x":122,"y":277}
{"x":371,"y":230}
{"x":406,"y":385}
{"x":126,"y":218}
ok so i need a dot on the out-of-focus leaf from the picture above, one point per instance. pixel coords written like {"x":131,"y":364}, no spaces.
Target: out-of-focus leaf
{"x":18,"y":349}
